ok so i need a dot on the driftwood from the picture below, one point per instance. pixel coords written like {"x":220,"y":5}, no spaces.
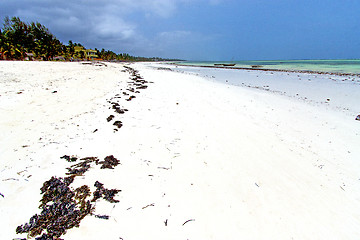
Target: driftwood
{"x":190,"y":220}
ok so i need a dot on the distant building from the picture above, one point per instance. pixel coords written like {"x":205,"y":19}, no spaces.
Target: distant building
{"x":88,"y":54}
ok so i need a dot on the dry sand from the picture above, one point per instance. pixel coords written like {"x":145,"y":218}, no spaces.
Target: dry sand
{"x":199,"y":159}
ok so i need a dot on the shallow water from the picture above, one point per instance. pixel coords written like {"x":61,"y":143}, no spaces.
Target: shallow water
{"x":338,"y":92}
{"x":332,"y":66}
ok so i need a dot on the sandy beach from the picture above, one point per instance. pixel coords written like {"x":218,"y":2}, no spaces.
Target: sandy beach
{"x":267,"y":157}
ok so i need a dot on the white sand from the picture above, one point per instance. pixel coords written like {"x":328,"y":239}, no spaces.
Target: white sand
{"x":239,"y":162}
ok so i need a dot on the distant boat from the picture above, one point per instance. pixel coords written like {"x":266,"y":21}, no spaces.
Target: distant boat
{"x":225,"y":64}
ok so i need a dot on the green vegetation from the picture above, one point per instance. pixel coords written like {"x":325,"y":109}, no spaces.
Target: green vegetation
{"x":18,"y":40}
{"x":23,"y":41}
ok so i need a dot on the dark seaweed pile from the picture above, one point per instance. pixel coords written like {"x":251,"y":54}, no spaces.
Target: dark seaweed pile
{"x":109,"y":162}
{"x":80,"y":168}
{"x":62,"y":207}
{"x":134,"y":85}
{"x":69,"y":159}
{"x":104,"y":193}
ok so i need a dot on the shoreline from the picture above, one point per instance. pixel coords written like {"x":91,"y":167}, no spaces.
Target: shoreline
{"x":198,"y":158}
{"x":275,"y":70}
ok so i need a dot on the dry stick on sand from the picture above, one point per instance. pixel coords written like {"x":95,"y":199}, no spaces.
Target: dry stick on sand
{"x":150,"y":205}
{"x":188,"y":221}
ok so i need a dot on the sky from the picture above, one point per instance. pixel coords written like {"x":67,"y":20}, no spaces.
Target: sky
{"x":205,"y":30}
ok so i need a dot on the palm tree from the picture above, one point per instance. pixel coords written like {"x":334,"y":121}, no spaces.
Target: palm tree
{"x":46,"y":45}
{"x":71,"y":49}
{"x":18,"y":36}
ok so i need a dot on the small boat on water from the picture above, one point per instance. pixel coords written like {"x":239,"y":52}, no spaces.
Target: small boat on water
{"x":225,"y":64}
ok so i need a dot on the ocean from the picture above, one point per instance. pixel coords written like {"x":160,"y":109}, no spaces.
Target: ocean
{"x":343,"y":88}
{"x":330,"y":66}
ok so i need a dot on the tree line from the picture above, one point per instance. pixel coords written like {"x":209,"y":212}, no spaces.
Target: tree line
{"x":20,"y":40}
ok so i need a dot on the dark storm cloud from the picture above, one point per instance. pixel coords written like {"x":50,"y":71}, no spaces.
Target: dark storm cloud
{"x":93,"y":23}
{"x":117,"y":25}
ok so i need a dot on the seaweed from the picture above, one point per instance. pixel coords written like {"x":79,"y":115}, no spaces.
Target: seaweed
{"x":117,"y":108}
{"x":104,"y":193}
{"x":62,"y":209}
{"x":69,"y":159}
{"x":102,"y":216}
{"x":130,"y":98}
{"x":118,"y":124}
{"x":109,"y":118}
{"x":109,"y":162}
{"x":142,"y":87}
{"x":80,"y":168}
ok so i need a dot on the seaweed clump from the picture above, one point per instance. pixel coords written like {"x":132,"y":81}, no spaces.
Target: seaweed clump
{"x":109,"y":162}
{"x":80,"y":168}
{"x":104,"y":193}
{"x":62,"y":209}
{"x":69,"y":159}
{"x":118,"y":124}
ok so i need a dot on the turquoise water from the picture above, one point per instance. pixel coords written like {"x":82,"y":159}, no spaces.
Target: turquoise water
{"x":333,"y":66}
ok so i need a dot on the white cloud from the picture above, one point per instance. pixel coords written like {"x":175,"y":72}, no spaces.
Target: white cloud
{"x":112,"y":27}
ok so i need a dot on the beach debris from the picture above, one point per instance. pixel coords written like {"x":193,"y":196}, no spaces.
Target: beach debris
{"x":142,"y":87}
{"x":357,"y":118}
{"x":166,"y":222}
{"x":190,"y":220}
{"x":165,"y":168}
{"x":106,"y":217}
{"x":78,"y":169}
{"x":136,"y":82}
{"x":109,"y":118}
{"x":2,"y":195}
{"x":118,"y":124}
{"x":104,"y":193}
{"x":63,"y":207}
{"x":109,"y":162}
{"x":117,"y":108}
{"x":149,"y":205}
{"x":164,"y":68}
{"x":69,"y":158}
{"x":61,"y":210}
{"x":130,"y":98}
